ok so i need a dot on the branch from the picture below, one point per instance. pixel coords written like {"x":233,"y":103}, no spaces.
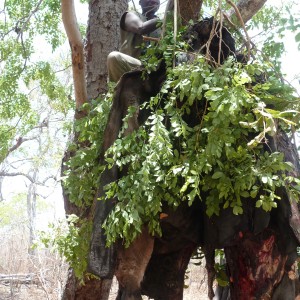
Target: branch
{"x":76,"y":44}
{"x":48,"y":178}
{"x":242,"y":23}
{"x":4,"y":174}
{"x":19,"y":142}
{"x":30,"y":178}
{"x":25,"y":23}
{"x":247,"y":9}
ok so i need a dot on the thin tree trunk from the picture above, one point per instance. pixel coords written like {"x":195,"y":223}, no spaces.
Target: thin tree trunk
{"x":31,"y":212}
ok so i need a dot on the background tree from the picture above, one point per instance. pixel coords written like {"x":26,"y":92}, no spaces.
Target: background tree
{"x":34,"y":126}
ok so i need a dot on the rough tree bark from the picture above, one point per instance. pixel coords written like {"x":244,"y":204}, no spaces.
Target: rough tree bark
{"x":189,"y":10}
{"x":102,"y":37}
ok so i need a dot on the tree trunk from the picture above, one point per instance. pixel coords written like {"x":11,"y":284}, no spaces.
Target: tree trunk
{"x":189,"y":10}
{"x":93,"y":289}
{"x":256,"y":266}
{"x":240,"y":13}
{"x":102,"y":37}
{"x":246,"y":9}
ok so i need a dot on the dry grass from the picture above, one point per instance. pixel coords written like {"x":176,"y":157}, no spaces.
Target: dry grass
{"x":48,"y":268}
{"x":50,"y":272}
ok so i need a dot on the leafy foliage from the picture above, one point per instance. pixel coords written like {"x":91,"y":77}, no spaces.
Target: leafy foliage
{"x":23,"y":26}
{"x":275,"y":23}
{"x":80,"y":182}
{"x":71,"y":240}
{"x":220,"y":158}
{"x":83,"y":169}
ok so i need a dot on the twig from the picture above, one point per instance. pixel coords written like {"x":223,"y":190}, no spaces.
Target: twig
{"x":243,"y":25}
{"x":212,"y":33}
{"x":220,"y":32}
{"x":152,"y":39}
{"x":175,"y":28}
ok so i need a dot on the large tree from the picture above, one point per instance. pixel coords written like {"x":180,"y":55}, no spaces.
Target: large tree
{"x":239,"y":14}
{"x":103,"y":23}
{"x":89,"y":72}
{"x":103,"y":36}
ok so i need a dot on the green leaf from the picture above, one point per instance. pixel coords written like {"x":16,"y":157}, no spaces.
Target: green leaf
{"x":237,"y":210}
{"x":217,"y":175}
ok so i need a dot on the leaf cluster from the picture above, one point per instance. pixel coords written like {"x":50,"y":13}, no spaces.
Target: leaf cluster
{"x":83,"y":169}
{"x":71,"y":240}
{"x":205,"y":140}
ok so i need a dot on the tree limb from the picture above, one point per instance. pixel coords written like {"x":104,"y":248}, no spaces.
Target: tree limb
{"x":247,"y":9}
{"x":16,"y":174}
{"x":76,"y":44}
{"x":18,"y":143}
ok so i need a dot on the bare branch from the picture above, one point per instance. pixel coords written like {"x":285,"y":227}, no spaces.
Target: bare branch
{"x":19,"y":142}
{"x":48,"y":178}
{"x":76,"y":44}
{"x":31,"y":179}
{"x":247,"y":9}
{"x":4,"y":174}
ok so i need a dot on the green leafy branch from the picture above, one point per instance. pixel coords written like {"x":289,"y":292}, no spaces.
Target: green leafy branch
{"x":71,"y":240}
{"x":221,"y":159}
